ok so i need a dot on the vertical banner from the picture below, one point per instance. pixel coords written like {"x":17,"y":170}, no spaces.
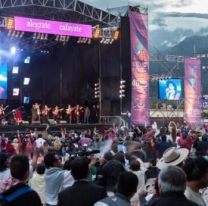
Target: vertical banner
{"x":139,"y":69}
{"x":3,"y":81}
{"x":192,"y":84}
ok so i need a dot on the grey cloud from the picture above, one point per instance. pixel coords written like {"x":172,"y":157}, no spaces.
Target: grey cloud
{"x":159,"y":22}
{"x":178,"y":14}
{"x":183,"y":3}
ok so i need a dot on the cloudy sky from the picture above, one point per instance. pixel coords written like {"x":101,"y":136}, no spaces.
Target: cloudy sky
{"x":168,"y":17}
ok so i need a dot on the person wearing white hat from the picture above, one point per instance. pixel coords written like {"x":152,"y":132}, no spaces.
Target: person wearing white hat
{"x":173,"y":156}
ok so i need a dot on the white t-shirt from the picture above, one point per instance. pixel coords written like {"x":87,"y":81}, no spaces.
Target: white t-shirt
{"x":5,"y":174}
{"x":194,"y":196}
{"x":39,"y":142}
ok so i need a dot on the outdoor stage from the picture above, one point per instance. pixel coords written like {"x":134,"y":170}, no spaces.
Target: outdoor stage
{"x":9,"y":129}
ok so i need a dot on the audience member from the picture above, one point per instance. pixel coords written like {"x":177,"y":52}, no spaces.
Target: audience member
{"x":14,"y":190}
{"x":81,"y":193}
{"x":196,"y":170}
{"x":37,"y":182}
{"x":56,"y":179}
{"x":127,"y":186}
{"x":172,"y":185}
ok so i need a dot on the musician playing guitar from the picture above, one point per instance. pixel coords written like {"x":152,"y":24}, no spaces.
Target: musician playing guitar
{"x":2,"y":112}
{"x":77,"y":112}
{"x":36,"y":112}
{"x":69,"y":112}
{"x":37,"y":107}
{"x":57,"y":113}
{"x":45,"y":113}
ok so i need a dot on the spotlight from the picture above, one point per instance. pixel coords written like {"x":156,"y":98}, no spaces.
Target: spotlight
{"x":96,"y":33}
{"x":79,"y":40}
{"x":10,"y":23}
{"x":15,"y":70}
{"x":9,"y":33}
{"x":102,"y":40}
{"x":13,"y":50}
{"x":27,"y":60}
{"x":34,"y":35}
{"x":46,"y":37}
{"x":26,"y":81}
{"x":15,"y":91}
{"x":42,"y":36}
{"x":89,"y":41}
{"x":22,"y":34}
{"x":57,"y":38}
{"x":26,"y":100}
{"x":116,"y":35}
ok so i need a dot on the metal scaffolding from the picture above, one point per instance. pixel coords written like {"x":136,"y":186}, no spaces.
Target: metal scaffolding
{"x":77,"y":6}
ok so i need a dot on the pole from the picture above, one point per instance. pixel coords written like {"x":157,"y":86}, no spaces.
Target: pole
{"x":121,"y":74}
{"x":100,"y":82}
{"x":61,"y":86}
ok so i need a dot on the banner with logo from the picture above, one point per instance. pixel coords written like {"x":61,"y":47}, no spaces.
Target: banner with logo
{"x":52,"y":27}
{"x":139,"y":69}
{"x":192,"y":91}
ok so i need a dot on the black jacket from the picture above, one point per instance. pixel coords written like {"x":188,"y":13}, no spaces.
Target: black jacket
{"x":81,"y":193}
{"x":172,"y":199}
{"x":29,"y":199}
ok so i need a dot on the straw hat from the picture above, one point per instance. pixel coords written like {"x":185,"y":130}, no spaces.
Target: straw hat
{"x":172,"y":156}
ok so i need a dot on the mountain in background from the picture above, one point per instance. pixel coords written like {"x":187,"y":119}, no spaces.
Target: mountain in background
{"x":190,"y":46}
{"x":187,"y":47}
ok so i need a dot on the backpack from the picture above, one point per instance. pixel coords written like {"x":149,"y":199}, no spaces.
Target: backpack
{"x":6,"y":200}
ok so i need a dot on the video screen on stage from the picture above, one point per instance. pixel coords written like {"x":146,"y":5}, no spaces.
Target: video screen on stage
{"x":170,"y":89}
{"x":3,"y":81}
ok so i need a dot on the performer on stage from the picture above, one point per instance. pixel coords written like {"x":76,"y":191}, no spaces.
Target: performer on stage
{"x":37,"y":106}
{"x":87,"y":114}
{"x":69,"y":111}
{"x":35,"y":112}
{"x":2,"y":113}
{"x":45,"y":114}
{"x":57,"y":113}
{"x":18,"y":116}
{"x":77,"y":113}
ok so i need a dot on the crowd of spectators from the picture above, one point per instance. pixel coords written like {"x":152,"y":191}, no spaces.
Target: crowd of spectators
{"x":118,"y":166}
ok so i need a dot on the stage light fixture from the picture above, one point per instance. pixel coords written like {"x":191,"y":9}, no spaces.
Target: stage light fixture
{"x":67,"y":38}
{"x":89,"y":41}
{"x":26,"y":100}
{"x":15,"y":91}
{"x":79,"y":40}
{"x":27,"y":60}
{"x":46,"y":37}
{"x":26,"y":81}
{"x":13,"y":34}
{"x":9,"y":33}
{"x":13,"y":50}
{"x":57,"y":38}
{"x":116,"y":35}
{"x":10,"y":23}
{"x":102,"y":40}
{"x":97,"y":90}
{"x":122,"y":89}
{"x":15,"y":70}
{"x":42,"y":36}
{"x":34,"y":35}
{"x":22,"y":34}
{"x":96,"y":33}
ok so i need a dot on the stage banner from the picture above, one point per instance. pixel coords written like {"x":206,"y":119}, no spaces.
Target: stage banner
{"x":139,"y":69}
{"x":52,"y":27}
{"x":192,"y":91}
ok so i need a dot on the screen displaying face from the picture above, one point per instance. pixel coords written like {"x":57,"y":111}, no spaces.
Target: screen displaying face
{"x":170,"y":89}
{"x":3,"y":81}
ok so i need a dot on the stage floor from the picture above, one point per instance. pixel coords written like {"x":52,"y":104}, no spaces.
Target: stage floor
{"x":52,"y":127}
